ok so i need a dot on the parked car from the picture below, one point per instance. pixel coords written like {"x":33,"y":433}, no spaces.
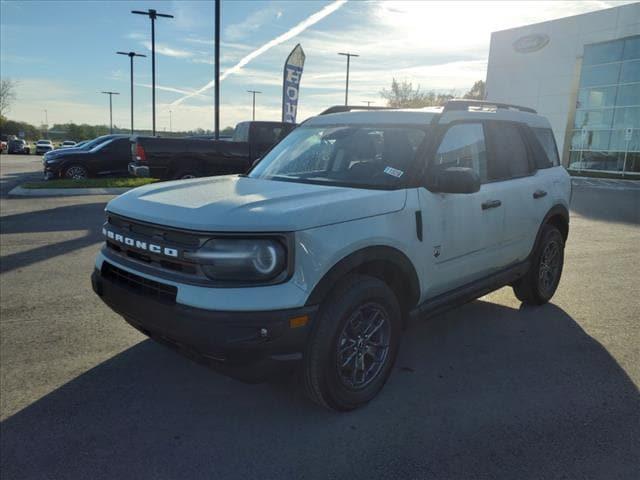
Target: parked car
{"x":175,"y":158}
{"x":67,"y":144}
{"x":352,"y":224}
{"x":84,"y":146}
{"x":110,"y":157}
{"x":43,"y":146}
{"x":18,"y":145}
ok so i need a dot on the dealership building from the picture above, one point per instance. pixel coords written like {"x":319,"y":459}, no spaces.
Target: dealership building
{"x":583,"y":74}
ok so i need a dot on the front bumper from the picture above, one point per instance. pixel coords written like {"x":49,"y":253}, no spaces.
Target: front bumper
{"x":233,"y":343}
{"x":51,"y":171}
{"x":138,"y":170}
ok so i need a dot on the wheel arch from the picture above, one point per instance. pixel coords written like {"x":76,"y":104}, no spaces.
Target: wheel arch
{"x":558,"y":216}
{"x":184,"y":164}
{"x":386,"y":263}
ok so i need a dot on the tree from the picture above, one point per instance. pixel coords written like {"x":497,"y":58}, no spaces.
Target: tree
{"x":7,"y":95}
{"x":477,"y":92}
{"x":403,"y":95}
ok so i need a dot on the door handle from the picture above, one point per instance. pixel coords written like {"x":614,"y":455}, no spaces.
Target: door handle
{"x":539,"y":194}
{"x":491,"y":204}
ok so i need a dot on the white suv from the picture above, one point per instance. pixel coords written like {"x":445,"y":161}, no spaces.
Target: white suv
{"x":354,"y":222}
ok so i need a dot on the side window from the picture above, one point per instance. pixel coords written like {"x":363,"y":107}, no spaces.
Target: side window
{"x":267,"y":134}
{"x":548,"y":143}
{"x":463,"y":146}
{"x":509,"y":157}
{"x":241,"y":133}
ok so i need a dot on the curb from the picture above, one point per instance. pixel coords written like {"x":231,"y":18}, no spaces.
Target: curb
{"x":65,"y":192}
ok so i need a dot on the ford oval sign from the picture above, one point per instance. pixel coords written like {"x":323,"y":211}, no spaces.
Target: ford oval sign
{"x":531,"y":43}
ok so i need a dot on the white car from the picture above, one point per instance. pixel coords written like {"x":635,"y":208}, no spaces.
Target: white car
{"x":43,"y":146}
{"x":351,"y":224}
{"x":68,"y":144}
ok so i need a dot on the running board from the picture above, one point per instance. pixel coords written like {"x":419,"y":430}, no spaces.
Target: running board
{"x":469,"y":292}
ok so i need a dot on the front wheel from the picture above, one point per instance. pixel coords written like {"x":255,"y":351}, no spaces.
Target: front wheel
{"x":354,"y":343}
{"x":541,"y":281}
{"x":76,"y":172}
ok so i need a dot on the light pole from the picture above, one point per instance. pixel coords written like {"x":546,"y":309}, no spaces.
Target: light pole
{"x":253,"y":117}
{"x":346,"y":91}
{"x":216,"y":72}
{"x":111,"y":94}
{"x":153,"y":14}
{"x":170,"y":126}
{"x":131,"y":55}
{"x":46,"y":124}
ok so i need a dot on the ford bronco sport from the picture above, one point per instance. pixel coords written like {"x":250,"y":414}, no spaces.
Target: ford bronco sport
{"x":354,"y":222}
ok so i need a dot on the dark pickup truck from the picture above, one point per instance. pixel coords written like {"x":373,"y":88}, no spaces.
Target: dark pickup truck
{"x":175,"y":158}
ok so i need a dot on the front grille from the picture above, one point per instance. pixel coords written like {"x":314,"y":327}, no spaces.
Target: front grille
{"x":161,"y":291}
{"x":182,"y":241}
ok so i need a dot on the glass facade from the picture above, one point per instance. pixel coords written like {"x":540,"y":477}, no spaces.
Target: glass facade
{"x":606,"y":130}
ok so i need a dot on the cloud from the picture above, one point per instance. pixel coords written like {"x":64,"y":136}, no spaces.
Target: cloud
{"x":183,"y":91}
{"x":251,"y":23}
{"x":299,"y":28}
{"x":163,"y":49}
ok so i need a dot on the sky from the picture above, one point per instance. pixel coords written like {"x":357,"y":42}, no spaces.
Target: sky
{"x":62,"y":54}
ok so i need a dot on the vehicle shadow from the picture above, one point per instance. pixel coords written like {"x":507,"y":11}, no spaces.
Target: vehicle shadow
{"x":62,"y":221}
{"x":484,"y":391}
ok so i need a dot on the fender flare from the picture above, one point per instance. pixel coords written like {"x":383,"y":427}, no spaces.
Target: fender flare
{"x":557,"y":210}
{"x":374,"y":255}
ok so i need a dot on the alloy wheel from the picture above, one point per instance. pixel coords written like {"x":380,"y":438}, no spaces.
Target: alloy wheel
{"x":549,"y":266}
{"x":363,"y":346}
{"x":76,"y":173}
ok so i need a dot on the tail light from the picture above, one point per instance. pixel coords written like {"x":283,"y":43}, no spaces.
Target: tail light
{"x":141,"y":156}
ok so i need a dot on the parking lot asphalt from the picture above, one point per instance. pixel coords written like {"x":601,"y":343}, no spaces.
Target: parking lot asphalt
{"x":489,"y":390}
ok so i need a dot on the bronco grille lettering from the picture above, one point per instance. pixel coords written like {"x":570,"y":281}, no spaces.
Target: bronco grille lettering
{"x":141,"y":245}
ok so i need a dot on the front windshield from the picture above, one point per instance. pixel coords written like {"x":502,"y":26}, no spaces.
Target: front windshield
{"x":344,"y":155}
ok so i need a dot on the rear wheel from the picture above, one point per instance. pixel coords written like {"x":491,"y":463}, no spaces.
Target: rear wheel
{"x":76,"y":172}
{"x":186,"y":173}
{"x":354,"y":343}
{"x":541,"y":281}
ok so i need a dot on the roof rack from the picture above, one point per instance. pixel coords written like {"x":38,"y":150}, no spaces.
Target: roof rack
{"x":348,"y":108}
{"x":456,"y":105}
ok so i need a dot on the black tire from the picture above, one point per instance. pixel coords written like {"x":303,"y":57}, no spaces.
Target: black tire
{"x":186,"y":173}
{"x":539,"y":284}
{"x":325,"y":382}
{"x":76,"y":172}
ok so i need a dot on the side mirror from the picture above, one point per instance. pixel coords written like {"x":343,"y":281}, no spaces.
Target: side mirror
{"x":457,"y":180}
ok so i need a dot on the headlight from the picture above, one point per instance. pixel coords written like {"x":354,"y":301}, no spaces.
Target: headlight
{"x":238,"y":260}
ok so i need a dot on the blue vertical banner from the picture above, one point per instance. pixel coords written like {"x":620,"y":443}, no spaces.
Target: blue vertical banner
{"x":291,"y":84}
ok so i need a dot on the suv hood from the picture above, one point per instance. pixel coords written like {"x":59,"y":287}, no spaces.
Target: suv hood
{"x":242,"y":204}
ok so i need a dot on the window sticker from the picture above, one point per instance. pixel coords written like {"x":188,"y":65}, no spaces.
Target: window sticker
{"x":394,"y":172}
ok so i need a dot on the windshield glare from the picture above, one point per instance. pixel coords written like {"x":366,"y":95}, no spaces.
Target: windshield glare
{"x":358,"y":156}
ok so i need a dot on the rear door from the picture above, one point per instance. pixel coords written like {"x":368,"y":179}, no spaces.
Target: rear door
{"x":463,"y":232}
{"x":512,"y":165}
{"x":113,"y":158}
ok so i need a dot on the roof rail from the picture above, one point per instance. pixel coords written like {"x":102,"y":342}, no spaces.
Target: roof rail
{"x":348,"y":108}
{"x":462,"y":104}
